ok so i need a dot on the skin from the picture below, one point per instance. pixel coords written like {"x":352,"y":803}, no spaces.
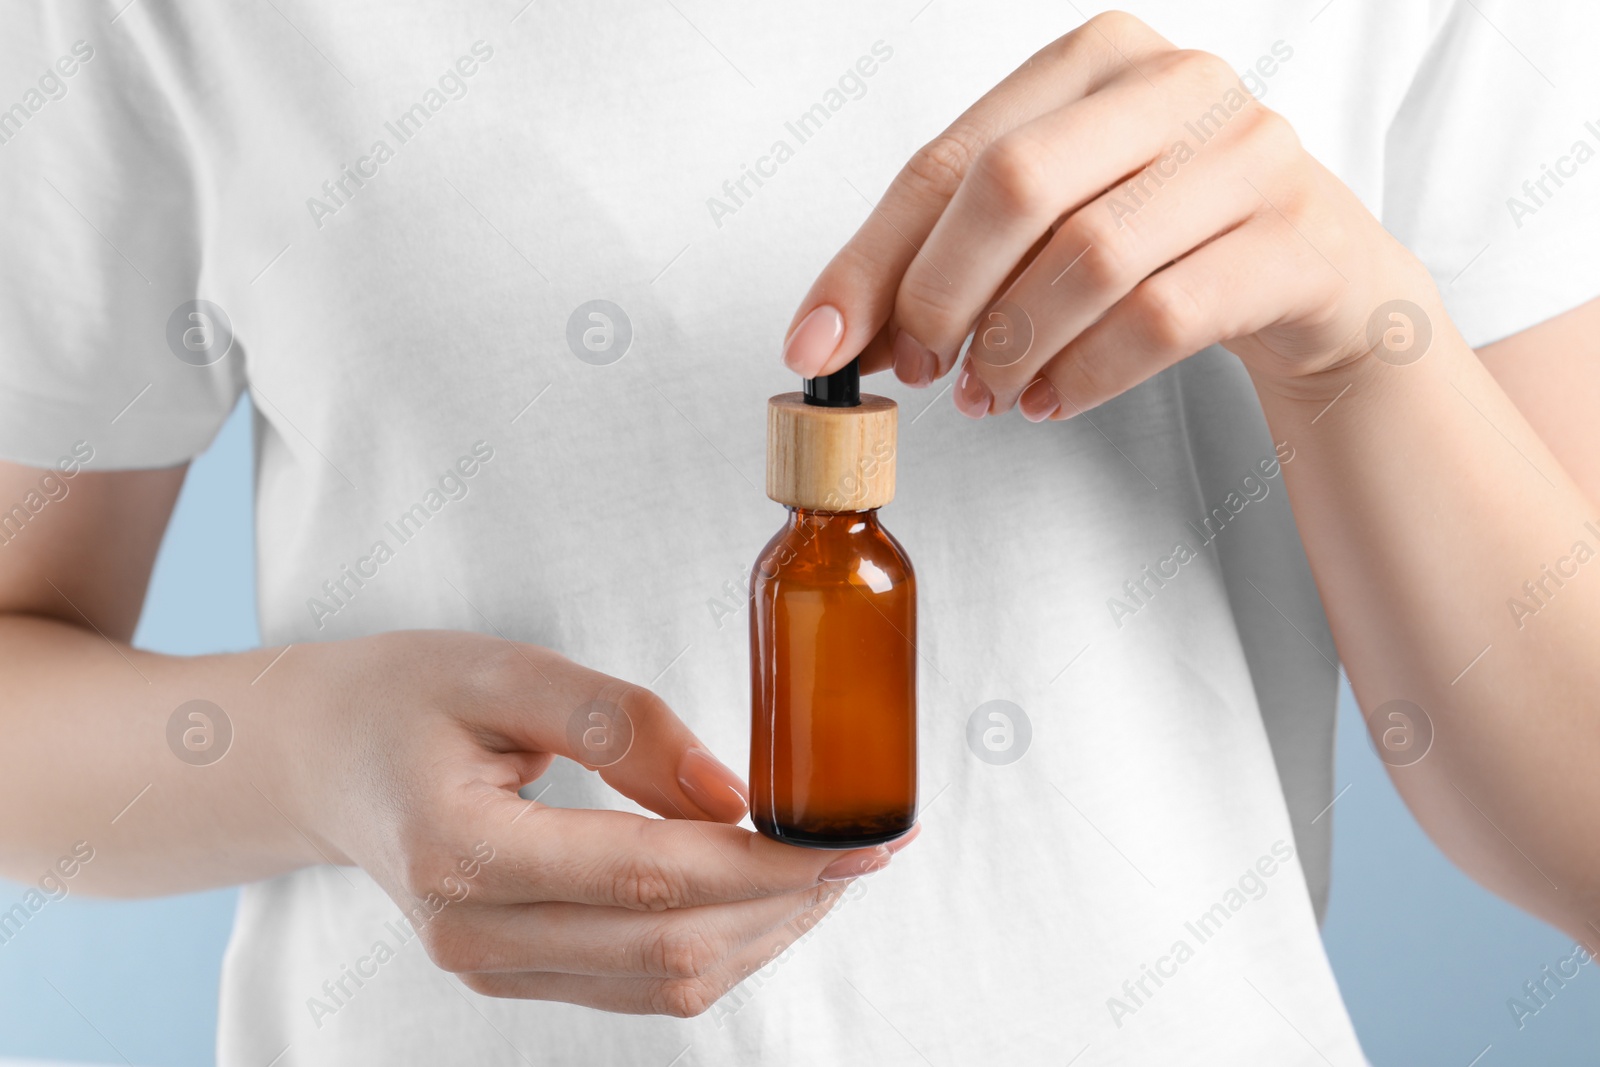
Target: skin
{"x":1428,"y":484}
{"x":402,"y":753}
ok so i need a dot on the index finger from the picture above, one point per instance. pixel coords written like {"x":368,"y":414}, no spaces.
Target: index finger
{"x":848,"y":308}
{"x":617,"y":859}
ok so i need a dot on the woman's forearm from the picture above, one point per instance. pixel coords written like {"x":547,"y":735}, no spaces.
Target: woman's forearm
{"x":1460,"y":569}
{"x":94,"y":765}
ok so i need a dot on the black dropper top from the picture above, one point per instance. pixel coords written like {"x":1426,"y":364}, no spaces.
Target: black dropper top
{"x":841,"y":389}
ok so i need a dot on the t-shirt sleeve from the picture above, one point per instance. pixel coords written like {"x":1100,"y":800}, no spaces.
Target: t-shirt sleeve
{"x":105,"y":335}
{"x":1492,"y":172}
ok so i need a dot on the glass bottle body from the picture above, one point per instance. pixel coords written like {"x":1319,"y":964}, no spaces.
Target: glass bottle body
{"x":833,"y":625}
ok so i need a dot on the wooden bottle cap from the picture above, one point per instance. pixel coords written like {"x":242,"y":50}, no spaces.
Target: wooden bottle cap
{"x":831,"y":459}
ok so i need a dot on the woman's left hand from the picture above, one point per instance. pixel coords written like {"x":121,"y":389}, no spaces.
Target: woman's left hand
{"x":1112,"y":207}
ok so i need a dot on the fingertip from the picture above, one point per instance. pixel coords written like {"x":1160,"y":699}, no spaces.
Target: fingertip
{"x":914,"y":362}
{"x":866,"y":861}
{"x":849,"y":868}
{"x":712,"y":786}
{"x":904,"y":839}
{"x":971,"y":396}
{"x":1039,"y":401}
{"x":813,"y":343}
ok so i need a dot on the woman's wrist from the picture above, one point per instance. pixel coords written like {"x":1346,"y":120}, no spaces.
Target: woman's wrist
{"x":1399,"y":336}
{"x":299,"y":703}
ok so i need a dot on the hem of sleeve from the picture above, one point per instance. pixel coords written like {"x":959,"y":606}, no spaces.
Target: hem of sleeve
{"x":1508,"y":295}
{"x":40,"y":431}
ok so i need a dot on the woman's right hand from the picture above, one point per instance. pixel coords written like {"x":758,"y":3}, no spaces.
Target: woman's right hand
{"x":423,"y":742}
{"x":402,"y":753}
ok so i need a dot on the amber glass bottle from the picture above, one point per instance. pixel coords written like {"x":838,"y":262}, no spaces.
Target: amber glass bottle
{"x":833,"y":625}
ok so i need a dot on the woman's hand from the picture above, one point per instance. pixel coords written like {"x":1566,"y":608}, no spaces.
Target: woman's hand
{"x":1112,"y":207}
{"x":425,"y":738}
{"x":401,"y":753}
{"x":1116,"y":205}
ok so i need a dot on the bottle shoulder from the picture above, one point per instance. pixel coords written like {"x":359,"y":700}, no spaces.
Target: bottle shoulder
{"x":838,"y":550}
{"x":898,"y":550}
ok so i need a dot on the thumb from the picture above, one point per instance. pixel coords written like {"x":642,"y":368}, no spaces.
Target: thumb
{"x":645,"y":752}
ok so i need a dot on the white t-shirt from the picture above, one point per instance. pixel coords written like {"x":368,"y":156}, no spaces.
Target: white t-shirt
{"x":404,"y":211}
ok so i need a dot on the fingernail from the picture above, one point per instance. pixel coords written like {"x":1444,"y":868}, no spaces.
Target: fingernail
{"x":712,"y":786}
{"x":905,"y":839}
{"x":914,"y":363}
{"x":854,"y":866}
{"x":814,"y":340}
{"x":972,"y":397}
{"x":857,"y":864}
{"x":1039,"y":401}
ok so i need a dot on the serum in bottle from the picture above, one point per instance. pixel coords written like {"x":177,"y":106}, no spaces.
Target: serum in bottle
{"x":833,"y":627}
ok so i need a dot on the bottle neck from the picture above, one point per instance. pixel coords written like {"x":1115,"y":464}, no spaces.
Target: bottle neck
{"x":807,"y":518}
